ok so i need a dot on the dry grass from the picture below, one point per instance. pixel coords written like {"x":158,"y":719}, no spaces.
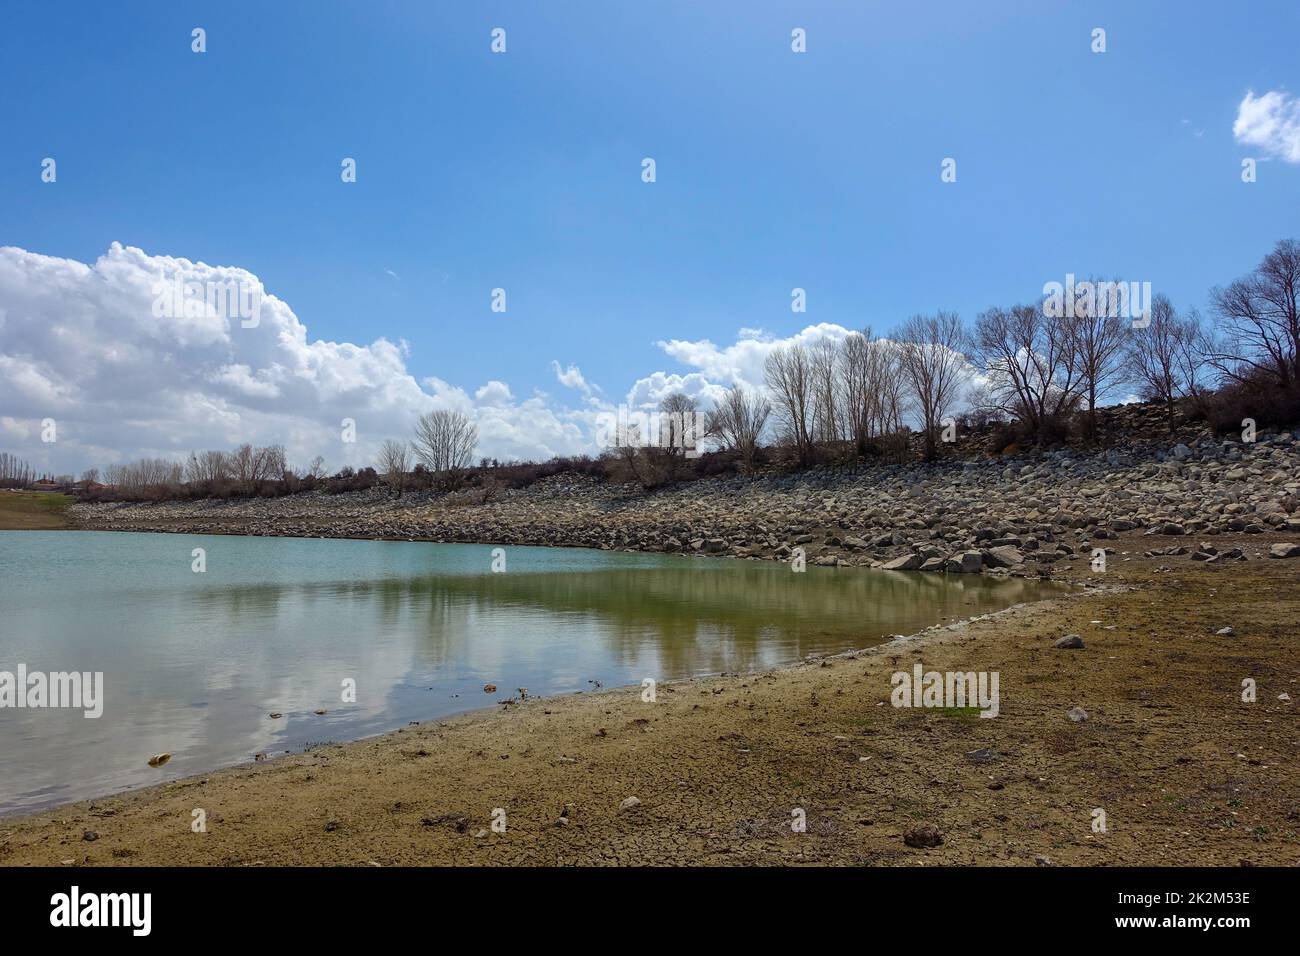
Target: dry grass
{"x":33,"y":511}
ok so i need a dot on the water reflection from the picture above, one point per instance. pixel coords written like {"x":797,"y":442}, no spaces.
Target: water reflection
{"x":195,"y":663}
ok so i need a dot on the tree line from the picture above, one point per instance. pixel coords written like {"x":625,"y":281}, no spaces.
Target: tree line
{"x":1037,"y":372}
{"x":1043,"y":372}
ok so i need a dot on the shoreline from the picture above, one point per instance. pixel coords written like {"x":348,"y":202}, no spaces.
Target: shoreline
{"x":899,"y":640}
{"x":366,"y":789}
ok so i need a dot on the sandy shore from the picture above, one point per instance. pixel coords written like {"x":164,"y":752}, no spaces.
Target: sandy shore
{"x":1186,"y":772}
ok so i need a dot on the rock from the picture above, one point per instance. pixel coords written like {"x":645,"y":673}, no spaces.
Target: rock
{"x":1077,"y":714}
{"x":489,"y":688}
{"x":1003,"y":557}
{"x":90,"y":836}
{"x":331,"y":826}
{"x":908,"y":562}
{"x":968,"y":562}
{"x":1182,"y":452}
{"x":629,"y":803}
{"x":983,"y":755}
{"x":157,"y":760}
{"x":1225,"y":632}
{"x":1071,"y":642}
{"x":1284,"y":550}
{"x":923,"y":838}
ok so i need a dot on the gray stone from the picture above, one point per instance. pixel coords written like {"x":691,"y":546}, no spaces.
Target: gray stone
{"x":1004,"y":557}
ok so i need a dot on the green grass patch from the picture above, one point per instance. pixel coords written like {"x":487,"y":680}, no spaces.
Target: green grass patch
{"x":958,"y":713}
{"x":33,"y":511}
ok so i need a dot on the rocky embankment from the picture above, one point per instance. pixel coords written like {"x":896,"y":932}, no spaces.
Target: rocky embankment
{"x":1016,"y":514}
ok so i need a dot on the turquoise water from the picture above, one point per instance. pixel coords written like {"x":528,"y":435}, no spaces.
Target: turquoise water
{"x":194,"y":663}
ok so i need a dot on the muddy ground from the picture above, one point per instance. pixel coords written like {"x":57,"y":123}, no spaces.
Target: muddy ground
{"x":1186,"y":772}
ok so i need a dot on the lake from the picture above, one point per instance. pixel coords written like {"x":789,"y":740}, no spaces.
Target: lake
{"x":194,"y":663}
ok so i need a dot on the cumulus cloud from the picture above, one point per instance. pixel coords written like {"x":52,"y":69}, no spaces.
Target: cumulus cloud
{"x":573,"y":378}
{"x":742,"y":362}
{"x":88,"y":346}
{"x":1270,"y":122}
{"x":494,"y":394}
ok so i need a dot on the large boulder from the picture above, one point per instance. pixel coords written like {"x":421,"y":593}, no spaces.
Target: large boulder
{"x":1003,"y":557}
{"x":1284,"y":550}
{"x":908,"y":562}
{"x":968,"y":562}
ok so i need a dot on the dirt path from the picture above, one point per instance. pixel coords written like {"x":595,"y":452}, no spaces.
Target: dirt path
{"x":1186,"y":772}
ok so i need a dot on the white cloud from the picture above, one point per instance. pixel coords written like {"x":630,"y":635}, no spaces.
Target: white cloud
{"x":742,"y":362}
{"x":494,"y":394}
{"x":82,"y":344}
{"x":648,"y":392}
{"x":573,"y":378}
{"x":1270,"y":122}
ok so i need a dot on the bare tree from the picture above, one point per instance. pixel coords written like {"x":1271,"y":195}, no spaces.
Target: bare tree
{"x":1260,"y":316}
{"x":273,"y":463}
{"x":14,"y":472}
{"x":788,"y":373}
{"x":393,"y":463}
{"x":1098,"y":341}
{"x":146,"y":476}
{"x":1194,"y":343}
{"x":1158,"y":355}
{"x":444,"y":443}
{"x":825,"y":369}
{"x":243,"y":465}
{"x":316,"y":469}
{"x":871,"y":388}
{"x":679,"y":430}
{"x":1032,"y":365}
{"x":935,"y":367}
{"x":738,"y":423}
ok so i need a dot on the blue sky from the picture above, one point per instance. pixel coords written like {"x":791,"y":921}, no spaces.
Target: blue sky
{"x":522,"y":170}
